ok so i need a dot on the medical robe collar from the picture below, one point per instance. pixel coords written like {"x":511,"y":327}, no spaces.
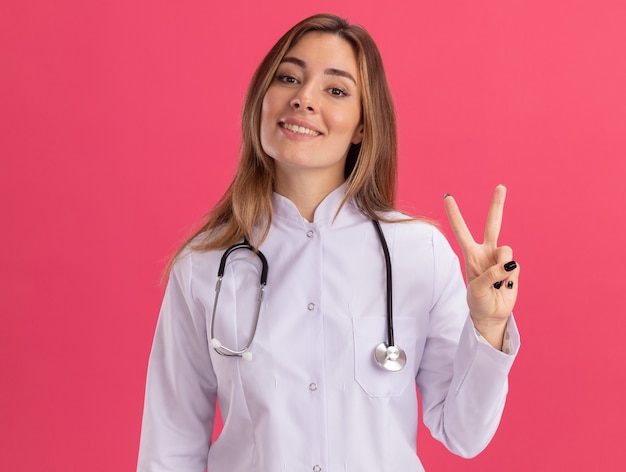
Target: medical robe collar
{"x":285,"y":209}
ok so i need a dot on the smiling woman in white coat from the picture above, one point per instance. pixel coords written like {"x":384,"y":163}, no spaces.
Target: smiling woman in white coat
{"x":330,"y":306}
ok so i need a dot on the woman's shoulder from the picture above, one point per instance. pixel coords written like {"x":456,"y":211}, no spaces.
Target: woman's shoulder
{"x":405,"y":222}
{"x":413,"y":230}
{"x":193,"y":259}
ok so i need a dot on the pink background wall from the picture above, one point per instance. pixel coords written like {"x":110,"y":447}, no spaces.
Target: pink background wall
{"x":119,"y":129}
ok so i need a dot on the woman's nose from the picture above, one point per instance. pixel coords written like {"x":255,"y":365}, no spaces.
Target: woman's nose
{"x":303,"y":101}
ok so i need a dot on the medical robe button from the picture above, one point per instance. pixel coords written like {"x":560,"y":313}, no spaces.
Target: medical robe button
{"x":317,"y":468}
{"x":309,"y":233}
{"x":312,"y":386}
{"x":311,"y":306}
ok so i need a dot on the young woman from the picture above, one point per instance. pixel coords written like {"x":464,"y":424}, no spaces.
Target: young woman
{"x":316,"y":368}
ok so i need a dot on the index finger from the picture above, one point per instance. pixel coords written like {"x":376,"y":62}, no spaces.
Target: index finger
{"x":494,"y":217}
{"x":459,"y":227}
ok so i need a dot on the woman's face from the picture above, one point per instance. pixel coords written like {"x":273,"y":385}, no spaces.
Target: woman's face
{"x":311,"y":112}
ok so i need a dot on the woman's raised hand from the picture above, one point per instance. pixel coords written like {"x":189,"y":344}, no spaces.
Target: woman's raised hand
{"x":492,"y":274}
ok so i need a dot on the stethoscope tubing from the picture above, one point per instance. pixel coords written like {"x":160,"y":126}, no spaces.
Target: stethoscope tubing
{"x":389,"y":288}
{"x":219,"y":348}
{"x":244,"y":245}
{"x":387,"y":355}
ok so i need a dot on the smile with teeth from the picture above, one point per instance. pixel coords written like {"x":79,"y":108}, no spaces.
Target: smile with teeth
{"x":299,"y":129}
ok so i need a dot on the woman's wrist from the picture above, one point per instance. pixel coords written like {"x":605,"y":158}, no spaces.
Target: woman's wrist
{"x":493,"y":331}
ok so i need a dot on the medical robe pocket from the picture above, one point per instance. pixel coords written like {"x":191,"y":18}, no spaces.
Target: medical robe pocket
{"x":369,"y":331}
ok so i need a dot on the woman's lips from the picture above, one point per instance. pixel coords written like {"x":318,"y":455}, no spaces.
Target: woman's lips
{"x":299,"y":129}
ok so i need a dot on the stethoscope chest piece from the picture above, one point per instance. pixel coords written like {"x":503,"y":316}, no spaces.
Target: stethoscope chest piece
{"x":391,"y":358}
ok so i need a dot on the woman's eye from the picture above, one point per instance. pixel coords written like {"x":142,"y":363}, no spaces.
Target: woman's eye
{"x":338,"y":92}
{"x":287,"y":79}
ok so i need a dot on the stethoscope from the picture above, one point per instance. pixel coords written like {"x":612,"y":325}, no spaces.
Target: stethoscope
{"x":387,"y":354}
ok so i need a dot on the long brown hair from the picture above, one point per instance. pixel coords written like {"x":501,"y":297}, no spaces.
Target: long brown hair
{"x":245,"y":209}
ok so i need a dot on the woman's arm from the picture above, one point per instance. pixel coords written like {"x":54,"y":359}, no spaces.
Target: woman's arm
{"x":181,"y":388}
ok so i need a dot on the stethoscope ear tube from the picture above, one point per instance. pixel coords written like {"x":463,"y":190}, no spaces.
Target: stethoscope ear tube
{"x":244,"y":245}
{"x":216,"y":343}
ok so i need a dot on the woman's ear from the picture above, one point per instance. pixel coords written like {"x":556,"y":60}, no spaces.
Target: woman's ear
{"x":357,"y":137}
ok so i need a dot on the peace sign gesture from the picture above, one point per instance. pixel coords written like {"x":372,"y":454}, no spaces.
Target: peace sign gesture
{"x":492,"y":274}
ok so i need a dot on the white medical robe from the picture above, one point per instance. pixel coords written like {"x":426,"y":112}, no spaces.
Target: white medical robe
{"x":313,"y":398}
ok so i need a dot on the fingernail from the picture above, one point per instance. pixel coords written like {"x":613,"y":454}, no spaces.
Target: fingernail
{"x":509,"y":266}
{"x":509,"y":284}
{"x":446,"y":195}
{"x":502,"y":185}
{"x":497,"y":285}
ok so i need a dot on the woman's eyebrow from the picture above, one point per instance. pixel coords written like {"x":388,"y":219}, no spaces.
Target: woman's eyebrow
{"x":340,"y":73}
{"x":330,"y":71}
